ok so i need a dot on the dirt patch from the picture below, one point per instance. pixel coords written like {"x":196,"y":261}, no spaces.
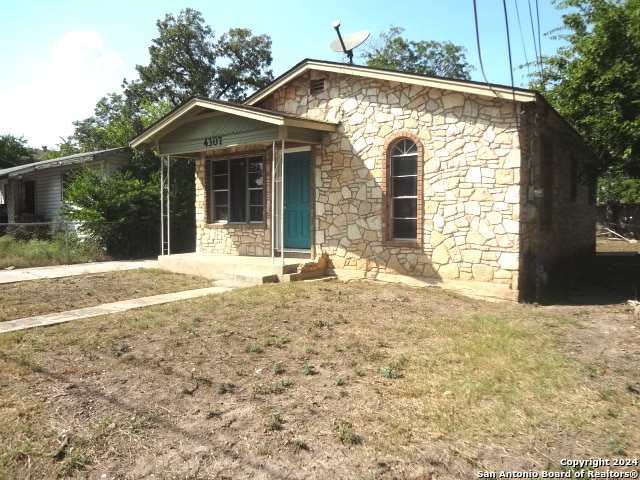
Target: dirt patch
{"x":322,"y":381}
{"x":38,"y":297}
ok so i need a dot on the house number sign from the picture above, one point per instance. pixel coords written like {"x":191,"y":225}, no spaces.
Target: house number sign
{"x":213,"y":141}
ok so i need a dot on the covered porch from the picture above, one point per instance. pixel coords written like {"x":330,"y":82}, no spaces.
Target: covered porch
{"x":243,"y":270}
{"x":254,"y":188}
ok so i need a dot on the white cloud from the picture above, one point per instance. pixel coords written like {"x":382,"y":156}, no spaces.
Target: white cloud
{"x":78,"y":71}
{"x":79,"y":51}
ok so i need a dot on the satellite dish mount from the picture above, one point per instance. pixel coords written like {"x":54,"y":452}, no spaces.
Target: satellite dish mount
{"x":347,"y":43}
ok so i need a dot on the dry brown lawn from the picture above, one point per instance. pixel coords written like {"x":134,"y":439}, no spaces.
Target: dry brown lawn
{"x":321,"y":380}
{"x":38,"y":297}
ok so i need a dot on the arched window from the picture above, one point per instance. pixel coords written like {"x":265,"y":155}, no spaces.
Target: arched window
{"x":403,"y":191}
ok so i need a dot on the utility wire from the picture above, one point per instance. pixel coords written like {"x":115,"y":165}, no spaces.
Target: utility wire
{"x":506,"y":22}
{"x":524,"y":47}
{"x":539,"y":36}
{"x":475,"y":16}
{"x":536,"y":38}
{"x":540,"y":65}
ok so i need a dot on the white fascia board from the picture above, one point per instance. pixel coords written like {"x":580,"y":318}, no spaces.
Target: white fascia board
{"x":485,"y":90}
{"x":181,"y":116}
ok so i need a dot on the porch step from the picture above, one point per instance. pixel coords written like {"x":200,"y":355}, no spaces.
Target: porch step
{"x":238,"y":270}
{"x":250,"y":277}
{"x":297,"y":277}
{"x":308,"y":271}
{"x":243,"y":271}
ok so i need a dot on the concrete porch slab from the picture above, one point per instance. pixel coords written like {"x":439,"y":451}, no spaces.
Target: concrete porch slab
{"x":234,"y":268}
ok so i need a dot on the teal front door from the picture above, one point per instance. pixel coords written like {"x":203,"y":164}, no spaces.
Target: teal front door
{"x":297,"y":200}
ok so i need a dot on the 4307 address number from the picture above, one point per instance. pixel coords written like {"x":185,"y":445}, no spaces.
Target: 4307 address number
{"x":213,"y":141}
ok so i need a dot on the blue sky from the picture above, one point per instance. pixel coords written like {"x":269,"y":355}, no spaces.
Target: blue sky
{"x":59,"y":58}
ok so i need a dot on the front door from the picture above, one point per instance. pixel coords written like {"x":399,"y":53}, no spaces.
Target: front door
{"x":297,"y":200}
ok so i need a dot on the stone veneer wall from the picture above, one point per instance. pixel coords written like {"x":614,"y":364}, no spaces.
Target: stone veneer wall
{"x":471,"y":177}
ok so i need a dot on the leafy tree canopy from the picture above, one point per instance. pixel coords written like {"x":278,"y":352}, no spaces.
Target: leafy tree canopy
{"x":594,"y":81}
{"x":393,"y":52}
{"x":64,"y":149}
{"x":111,"y":125}
{"x":14,"y":151}
{"x":187,"y":60}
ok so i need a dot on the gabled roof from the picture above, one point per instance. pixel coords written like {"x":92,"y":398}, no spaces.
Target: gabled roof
{"x":62,"y":161}
{"x":466,"y":86}
{"x":200,"y":108}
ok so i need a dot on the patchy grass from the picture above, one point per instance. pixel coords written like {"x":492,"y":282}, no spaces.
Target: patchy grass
{"x":320,"y":380}
{"x":40,"y":253}
{"x":616,"y":245}
{"x":38,"y":297}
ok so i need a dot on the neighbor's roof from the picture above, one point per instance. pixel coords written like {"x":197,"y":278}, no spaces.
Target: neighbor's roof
{"x":466,"y":86}
{"x":61,"y":161}
{"x":199,"y":107}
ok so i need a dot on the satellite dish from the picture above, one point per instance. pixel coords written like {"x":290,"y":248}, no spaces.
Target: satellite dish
{"x":347,"y":43}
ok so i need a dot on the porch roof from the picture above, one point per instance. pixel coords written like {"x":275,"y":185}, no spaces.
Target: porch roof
{"x":203,"y":124}
{"x":112,"y":153}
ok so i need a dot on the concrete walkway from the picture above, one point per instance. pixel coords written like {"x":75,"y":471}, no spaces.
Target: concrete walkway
{"x":105,"y":309}
{"x":58,"y":271}
{"x":26,"y":274}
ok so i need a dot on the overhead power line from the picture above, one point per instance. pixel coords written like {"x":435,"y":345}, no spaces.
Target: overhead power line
{"x":475,"y":16}
{"x":537,"y":44}
{"x":524,"y":46}
{"x":506,"y":23}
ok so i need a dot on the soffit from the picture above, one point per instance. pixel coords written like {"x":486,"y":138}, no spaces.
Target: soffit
{"x":203,"y":124}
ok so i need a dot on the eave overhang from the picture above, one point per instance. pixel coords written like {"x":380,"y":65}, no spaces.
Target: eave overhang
{"x":204,"y":124}
{"x":465,"y":86}
{"x":79,"y":158}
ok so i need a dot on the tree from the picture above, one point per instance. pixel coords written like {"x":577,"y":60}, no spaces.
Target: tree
{"x":14,"y":151}
{"x":186,"y":60}
{"x":393,"y":52}
{"x":66,"y":148}
{"x":119,"y":212}
{"x":116,"y":120}
{"x":111,"y":126}
{"x":594,"y":82}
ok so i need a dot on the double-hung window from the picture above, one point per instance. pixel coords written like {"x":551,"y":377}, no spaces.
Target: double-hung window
{"x":404,"y":190}
{"x":237,"y":190}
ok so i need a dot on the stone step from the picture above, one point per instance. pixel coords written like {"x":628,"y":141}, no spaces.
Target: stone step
{"x":251,"y":277}
{"x":299,"y":276}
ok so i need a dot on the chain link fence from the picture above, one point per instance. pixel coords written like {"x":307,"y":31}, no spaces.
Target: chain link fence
{"x":624,"y":219}
{"x":83,"y":241}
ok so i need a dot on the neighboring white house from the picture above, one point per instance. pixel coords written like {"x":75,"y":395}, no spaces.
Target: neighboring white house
{"x":34,"y":192}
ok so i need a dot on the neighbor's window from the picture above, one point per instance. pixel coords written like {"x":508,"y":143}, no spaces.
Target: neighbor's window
{"x":404,"y":190}
{"x":28,"y":199}
{"x":237,"y":190}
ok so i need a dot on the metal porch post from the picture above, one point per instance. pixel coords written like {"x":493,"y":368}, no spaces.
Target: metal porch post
{"x":282,"y":205}
{"x":165,"y":205}
{"x":273,"y":203}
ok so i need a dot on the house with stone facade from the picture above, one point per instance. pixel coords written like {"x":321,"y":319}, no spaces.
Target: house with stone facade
{"x":387,"y":175}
